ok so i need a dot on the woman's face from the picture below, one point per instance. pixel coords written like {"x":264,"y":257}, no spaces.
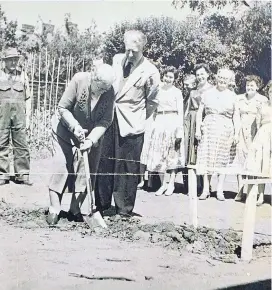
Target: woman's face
{"x":201,"y":76}
{"x":251,"y":88}
{"x":99,"y":87}
{"x":169,"y":78}
{"x":223,"y":79}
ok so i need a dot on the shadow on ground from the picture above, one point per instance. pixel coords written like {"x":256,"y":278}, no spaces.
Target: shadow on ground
{"x":260,"y":285}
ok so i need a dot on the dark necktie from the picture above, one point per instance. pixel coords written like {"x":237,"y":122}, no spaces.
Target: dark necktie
{"x":127,"y":69}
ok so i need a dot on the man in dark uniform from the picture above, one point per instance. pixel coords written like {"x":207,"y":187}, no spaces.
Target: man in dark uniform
{"x":14,"y":117}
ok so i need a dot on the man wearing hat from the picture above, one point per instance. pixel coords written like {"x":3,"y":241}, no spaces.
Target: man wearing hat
{"x":14,"y":117}
{"x":136,"y":89}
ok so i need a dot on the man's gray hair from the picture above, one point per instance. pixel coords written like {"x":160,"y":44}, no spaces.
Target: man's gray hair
{"x":137,"y":36}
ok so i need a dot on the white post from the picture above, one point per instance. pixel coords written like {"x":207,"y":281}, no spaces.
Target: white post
{"x":192,"y":180}
{"x":249,"y":222}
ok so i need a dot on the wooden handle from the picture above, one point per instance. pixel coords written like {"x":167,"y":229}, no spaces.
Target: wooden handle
{"x":88,"y":180}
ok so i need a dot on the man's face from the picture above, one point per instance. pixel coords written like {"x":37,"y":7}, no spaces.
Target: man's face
{"x":133,"y":51}
{"x":11,"y":63}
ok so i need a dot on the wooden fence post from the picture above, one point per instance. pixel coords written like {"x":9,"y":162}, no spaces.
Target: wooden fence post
{"x":192,"y":180}
{"x":249,"y":222}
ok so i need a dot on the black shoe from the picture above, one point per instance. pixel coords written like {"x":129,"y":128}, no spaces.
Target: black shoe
{"x":52,"y":219}
{"x":78,"y":218}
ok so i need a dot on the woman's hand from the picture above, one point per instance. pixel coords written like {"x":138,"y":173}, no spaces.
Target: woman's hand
{"x":79,"y":132}
{"x":87,"y":145}
{"x":177,"y":143}
{"x":198,"y":135}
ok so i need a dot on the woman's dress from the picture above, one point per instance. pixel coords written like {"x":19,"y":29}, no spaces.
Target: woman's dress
{"x":159,"y":153}
{"x":190,"y":143}
{"x":259,"y":158}
{"x":214,"y":152}
{"x":248,"y":110}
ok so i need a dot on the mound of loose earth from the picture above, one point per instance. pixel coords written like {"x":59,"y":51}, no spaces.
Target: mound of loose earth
{"x":223,"y":245}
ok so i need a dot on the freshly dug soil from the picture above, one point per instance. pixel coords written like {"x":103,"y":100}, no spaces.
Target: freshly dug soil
{"x":223,"y":245}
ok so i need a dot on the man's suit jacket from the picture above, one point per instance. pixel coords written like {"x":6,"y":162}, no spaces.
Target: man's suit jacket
{"x":137,"y":99}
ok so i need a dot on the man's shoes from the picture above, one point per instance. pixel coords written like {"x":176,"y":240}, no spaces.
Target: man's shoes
{"x":129,"y":215}
{"x":78,"y":218}
{"x":52,"y":219}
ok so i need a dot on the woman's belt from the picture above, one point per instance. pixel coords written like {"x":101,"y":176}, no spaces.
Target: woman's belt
{"x":219,"y":114}
{"x":167,"y":112}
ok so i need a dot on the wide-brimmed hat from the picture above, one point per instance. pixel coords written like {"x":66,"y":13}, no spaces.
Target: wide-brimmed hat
{"x":11,"y":52}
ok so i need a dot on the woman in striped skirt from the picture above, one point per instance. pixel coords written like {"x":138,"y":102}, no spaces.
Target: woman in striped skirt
{"x":217,"y":132}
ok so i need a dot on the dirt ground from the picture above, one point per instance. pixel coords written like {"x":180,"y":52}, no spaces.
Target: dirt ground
{"x":157,"y":251}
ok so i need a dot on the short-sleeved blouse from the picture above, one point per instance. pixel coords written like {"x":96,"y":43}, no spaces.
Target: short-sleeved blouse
{"x":219,"y":102}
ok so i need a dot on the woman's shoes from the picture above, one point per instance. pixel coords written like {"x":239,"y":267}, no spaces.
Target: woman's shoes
{"x":140,"y":185}
{"x":239,"y":196}
{"x":52,"y":219}
{"x":204,"y":195}
{"x":170,"y":190}
{"x":260,"y":200}
{"x":220,"y":196}
{"x":160,"y":191}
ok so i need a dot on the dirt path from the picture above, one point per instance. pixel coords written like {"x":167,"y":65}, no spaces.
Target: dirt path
{"x":36,"y":257}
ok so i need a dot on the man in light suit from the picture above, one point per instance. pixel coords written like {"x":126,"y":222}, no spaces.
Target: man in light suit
{"x":136,"y":88}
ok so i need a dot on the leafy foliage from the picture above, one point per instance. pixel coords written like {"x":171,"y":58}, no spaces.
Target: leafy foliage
{"x":215,"y":39}
{"x":202,"y":6}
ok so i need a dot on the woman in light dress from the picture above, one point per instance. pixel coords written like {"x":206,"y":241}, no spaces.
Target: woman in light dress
{"x":259,"y":159}
{"x":217,"y":132}
{"x":249,"y":105}
{"x":165,"y":149}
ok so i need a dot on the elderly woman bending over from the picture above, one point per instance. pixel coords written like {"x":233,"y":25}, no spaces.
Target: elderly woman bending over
{"x":85,"y":111}
{"x":217,"y":132}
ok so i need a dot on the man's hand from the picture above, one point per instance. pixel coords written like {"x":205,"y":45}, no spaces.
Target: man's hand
{"x":87,"y":145}
{"x":79,"y":132}
{"x":177,"y":143}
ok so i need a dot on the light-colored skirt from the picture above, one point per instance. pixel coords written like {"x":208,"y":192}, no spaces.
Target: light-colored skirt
{"x":215,"y":151}
{"x":160,"y":153}
{"x":259,"y":158}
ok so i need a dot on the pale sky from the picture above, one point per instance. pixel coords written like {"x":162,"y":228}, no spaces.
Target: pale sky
{"x":104,"y":12}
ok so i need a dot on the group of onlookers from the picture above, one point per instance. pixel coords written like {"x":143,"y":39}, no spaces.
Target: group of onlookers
{"x":216,"y":131}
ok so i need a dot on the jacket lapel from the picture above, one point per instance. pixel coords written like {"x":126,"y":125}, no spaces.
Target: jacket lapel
{"x":134,"y":77}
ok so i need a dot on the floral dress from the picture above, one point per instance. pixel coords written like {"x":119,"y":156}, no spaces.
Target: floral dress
{"x":214,"y":150}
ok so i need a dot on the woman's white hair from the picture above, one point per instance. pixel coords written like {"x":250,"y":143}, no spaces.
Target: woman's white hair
{"x":104,"y":73}
{"x":226,"y":71}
